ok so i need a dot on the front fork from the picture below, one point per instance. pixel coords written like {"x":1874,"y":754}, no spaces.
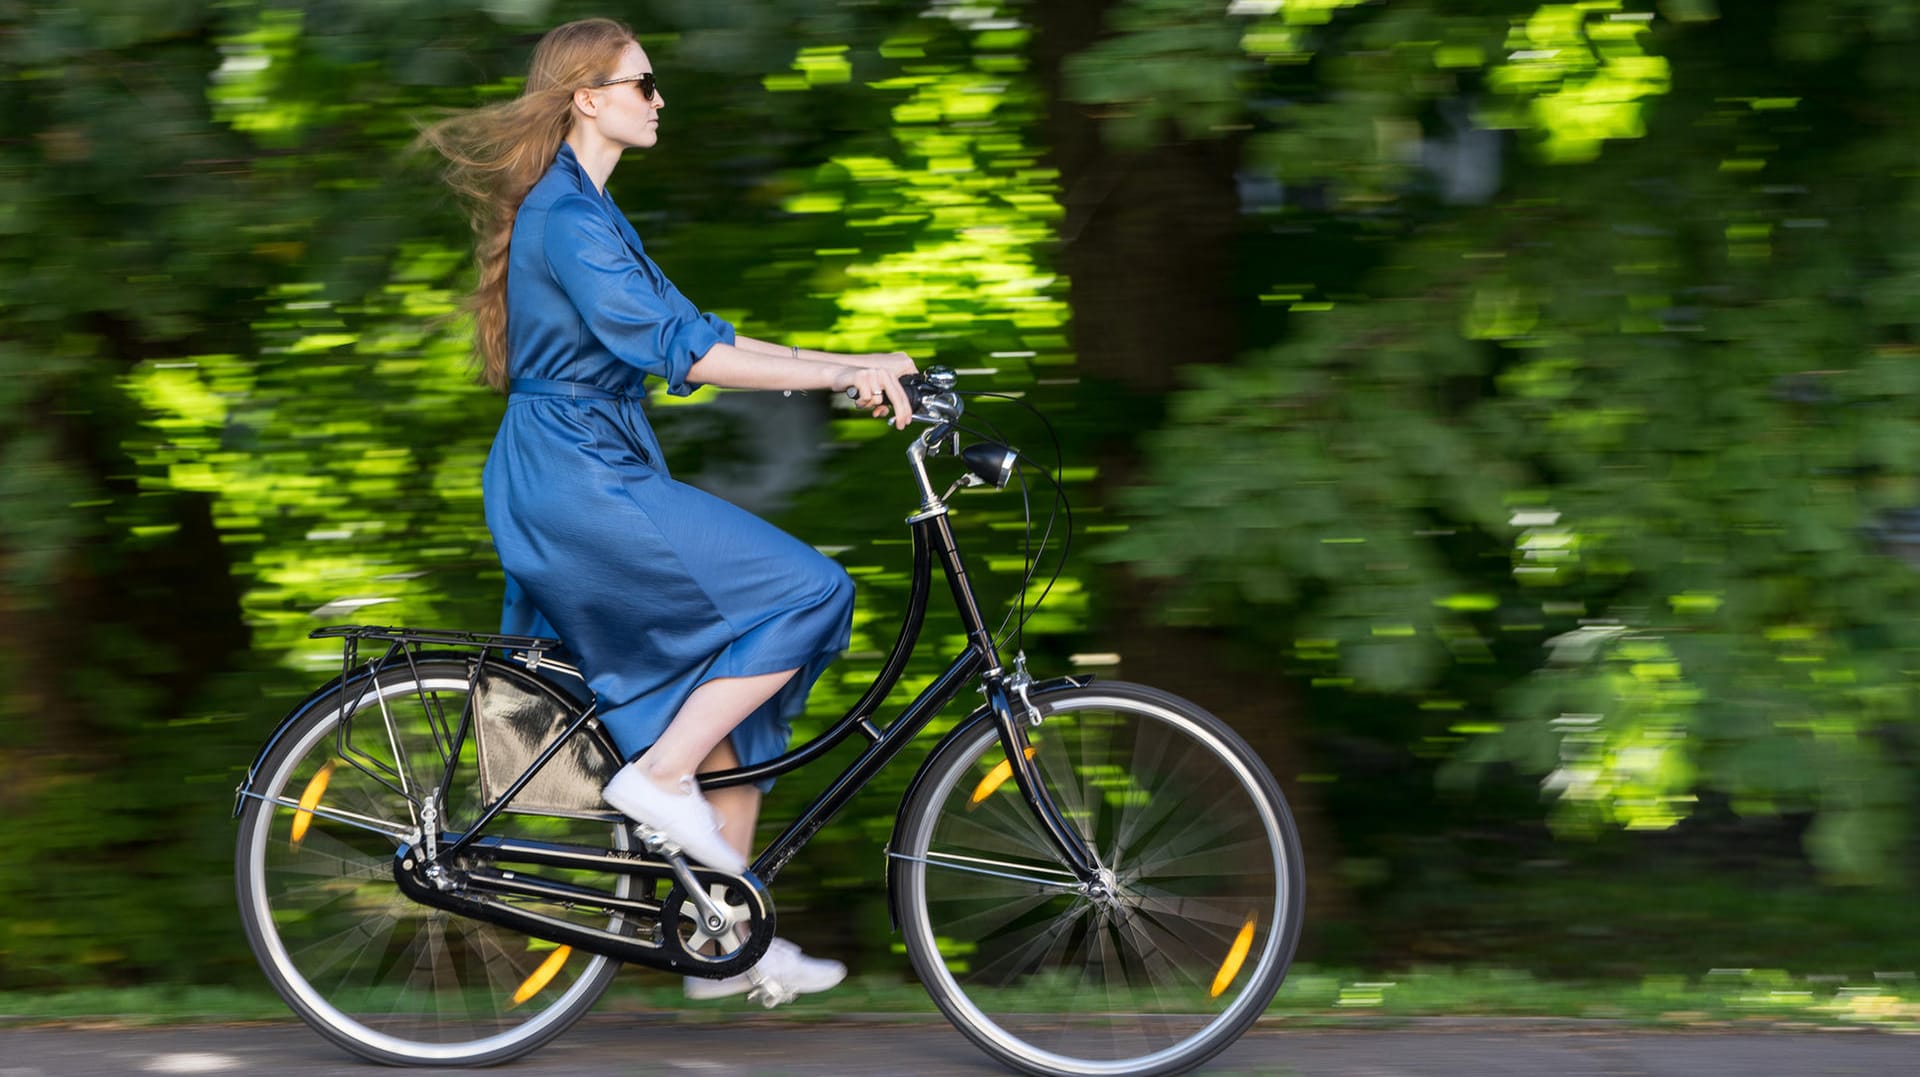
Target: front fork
{"x":1007,"y":697}
{"x":1006,"y":693}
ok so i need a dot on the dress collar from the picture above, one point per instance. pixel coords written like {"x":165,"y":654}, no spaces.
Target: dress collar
{"x":568,"y":165}
{"x":566,"y":162}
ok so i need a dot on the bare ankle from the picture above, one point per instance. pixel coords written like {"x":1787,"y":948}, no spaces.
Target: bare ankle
{"x":680,"y":781}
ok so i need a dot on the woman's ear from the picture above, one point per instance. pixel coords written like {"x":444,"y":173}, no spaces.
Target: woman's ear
{"x":584,"y":103}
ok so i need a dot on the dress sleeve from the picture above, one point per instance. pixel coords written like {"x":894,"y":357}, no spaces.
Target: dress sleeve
{"x":649,"y":326}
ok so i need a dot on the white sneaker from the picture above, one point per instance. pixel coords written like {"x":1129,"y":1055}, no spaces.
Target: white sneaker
{"x":685,"y":818}
{"x":788,"y":971}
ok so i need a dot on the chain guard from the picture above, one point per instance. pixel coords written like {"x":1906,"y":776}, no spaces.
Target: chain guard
{"x":468,"y":884}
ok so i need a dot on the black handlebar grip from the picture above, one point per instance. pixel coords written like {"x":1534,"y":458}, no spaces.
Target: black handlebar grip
{"x":915,"y":385}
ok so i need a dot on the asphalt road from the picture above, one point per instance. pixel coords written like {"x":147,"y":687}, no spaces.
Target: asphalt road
{"x":664,"y":1046}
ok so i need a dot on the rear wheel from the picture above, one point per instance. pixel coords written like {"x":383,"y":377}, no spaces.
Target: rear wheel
{"x":1170,"y":955}
{"x":380,"y":975}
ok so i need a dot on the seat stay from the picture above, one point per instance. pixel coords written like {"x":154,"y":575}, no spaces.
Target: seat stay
{"x":488,"y":814}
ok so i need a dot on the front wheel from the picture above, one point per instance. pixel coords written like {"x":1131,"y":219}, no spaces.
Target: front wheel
{"x":1170,"y":955}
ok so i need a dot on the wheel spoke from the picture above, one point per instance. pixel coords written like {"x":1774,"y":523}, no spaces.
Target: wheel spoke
{"x":1002,"y":824}
{"x":355,"y":939}
{"x":1194,"y":938}
{"x":1162,"y":970}
{"x":1171,"y":861}
{"x":1160,"y":903}
{"x":1163,"y":801}
{"x":998,"y":912}
{"x":377,"y":935}
{"x":490,"y":956}
{"x":1040,"y":943}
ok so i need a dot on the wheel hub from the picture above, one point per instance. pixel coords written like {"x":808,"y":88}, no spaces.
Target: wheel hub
{"x":1104,"y":890}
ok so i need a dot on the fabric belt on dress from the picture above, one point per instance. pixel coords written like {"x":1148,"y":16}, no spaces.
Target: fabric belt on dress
{"x":575,"y":389}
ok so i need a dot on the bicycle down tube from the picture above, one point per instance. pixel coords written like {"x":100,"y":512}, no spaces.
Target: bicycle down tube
{"x":931,"y":533}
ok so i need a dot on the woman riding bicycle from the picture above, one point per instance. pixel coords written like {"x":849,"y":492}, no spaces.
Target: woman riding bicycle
{"x":699,"y":626}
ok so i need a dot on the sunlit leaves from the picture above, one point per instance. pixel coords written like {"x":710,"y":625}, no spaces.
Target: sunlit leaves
{"x":246,"y":89}
{"x":817,"y":66}
{"x":1578,"y":73}
{"x":969,"y":189}
{"x":1286,"y":34}
{"x":1629,"y":763}
{"x":331,"y":480}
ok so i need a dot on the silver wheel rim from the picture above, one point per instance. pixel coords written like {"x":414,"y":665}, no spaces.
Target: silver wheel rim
{"x":1014,"y":1046}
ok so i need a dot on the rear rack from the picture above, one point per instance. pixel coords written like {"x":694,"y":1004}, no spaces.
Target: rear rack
{"x":437,"y":636}
{"x":533,"y":652}
{"x":402,"y":646}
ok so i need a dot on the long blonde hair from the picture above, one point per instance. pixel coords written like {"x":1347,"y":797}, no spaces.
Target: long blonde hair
{"x":497,"y":153}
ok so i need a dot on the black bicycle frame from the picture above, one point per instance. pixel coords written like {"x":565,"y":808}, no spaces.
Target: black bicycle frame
{"x":932,"y":536}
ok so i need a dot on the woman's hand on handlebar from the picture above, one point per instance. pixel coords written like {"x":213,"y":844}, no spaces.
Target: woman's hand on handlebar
{"x":877,"y":388}
{"x":899,"y":364}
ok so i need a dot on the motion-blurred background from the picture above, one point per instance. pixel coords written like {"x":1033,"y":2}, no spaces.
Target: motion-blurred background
{"x":1502,"y":412}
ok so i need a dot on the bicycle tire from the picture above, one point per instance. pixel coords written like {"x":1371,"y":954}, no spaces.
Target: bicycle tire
{"x":329,"y":925}
{"x":1203,"y":865}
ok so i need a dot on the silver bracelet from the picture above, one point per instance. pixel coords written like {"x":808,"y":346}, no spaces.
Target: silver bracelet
{"x":795,"y":349}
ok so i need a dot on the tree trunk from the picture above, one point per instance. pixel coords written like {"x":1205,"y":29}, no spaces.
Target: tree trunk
{"x":1148,"y":245}
{"x":1148,"y":239}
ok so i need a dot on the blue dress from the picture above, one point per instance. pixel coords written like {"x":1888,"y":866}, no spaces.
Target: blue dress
{"x":656,"y":587}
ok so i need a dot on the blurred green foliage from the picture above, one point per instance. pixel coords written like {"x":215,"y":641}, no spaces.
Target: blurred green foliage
{"x":1569,"y":424}
{"x":1642,"y":422}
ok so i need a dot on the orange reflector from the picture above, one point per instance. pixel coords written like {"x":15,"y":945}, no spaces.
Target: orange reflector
{"x":995,"y":779}
{"x":1235,"y":958}
{"x":543,"y":975}
{"x":316,"y":789}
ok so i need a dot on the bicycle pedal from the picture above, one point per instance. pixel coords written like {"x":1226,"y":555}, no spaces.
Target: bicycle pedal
{"x":769,"y":993}
{"x":655,"y":842}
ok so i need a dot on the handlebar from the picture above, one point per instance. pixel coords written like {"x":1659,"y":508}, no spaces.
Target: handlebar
{"x":931,"y":393}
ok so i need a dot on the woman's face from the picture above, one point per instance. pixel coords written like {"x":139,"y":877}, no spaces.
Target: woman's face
{"x":625,"y":115}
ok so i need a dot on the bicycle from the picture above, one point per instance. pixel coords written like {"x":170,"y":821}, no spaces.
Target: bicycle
{"x":1091,"y":877}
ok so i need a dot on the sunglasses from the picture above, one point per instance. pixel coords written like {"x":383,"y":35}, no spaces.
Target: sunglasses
{"x":647,"y":84}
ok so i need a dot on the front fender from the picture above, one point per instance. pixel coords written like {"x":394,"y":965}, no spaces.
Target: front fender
{"x":982,"y":714}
